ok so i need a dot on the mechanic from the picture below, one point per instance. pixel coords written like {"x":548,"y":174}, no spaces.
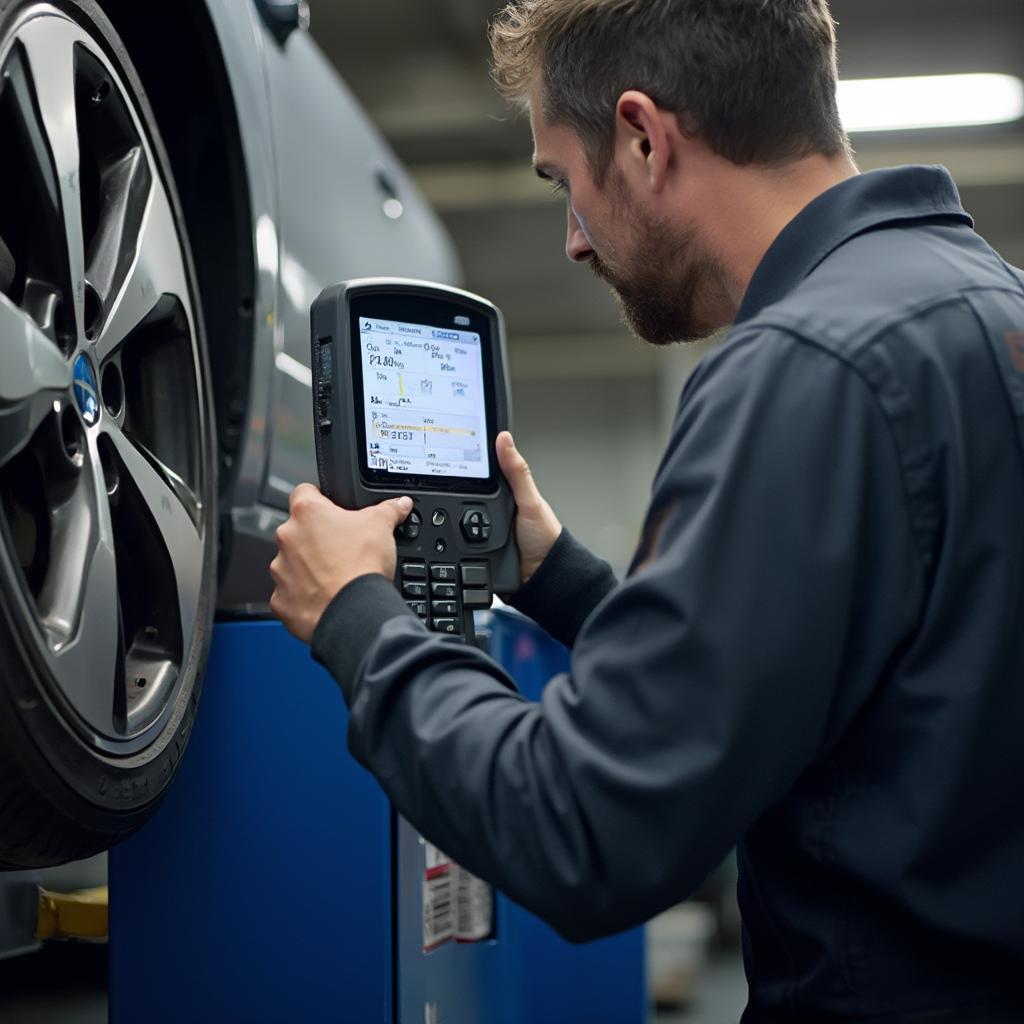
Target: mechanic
{"x":817,"y":654}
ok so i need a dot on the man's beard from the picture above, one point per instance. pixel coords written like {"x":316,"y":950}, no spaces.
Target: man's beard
{"x":677,"y":290}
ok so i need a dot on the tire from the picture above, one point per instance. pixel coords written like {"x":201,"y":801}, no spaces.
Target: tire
{"x":107,"y":455}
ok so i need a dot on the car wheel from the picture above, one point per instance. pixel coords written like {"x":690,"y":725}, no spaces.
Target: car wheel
{"x":107,"y":490}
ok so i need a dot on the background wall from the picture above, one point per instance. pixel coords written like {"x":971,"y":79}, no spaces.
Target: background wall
{"x":592,"y":405}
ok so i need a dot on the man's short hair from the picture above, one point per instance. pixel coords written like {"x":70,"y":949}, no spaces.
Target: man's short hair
{"x":756,"y":79}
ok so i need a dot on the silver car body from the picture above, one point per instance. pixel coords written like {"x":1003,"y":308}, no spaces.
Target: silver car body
{"x":329,"y":202}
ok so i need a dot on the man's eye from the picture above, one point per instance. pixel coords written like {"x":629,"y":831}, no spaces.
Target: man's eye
{"x":558,"y":188}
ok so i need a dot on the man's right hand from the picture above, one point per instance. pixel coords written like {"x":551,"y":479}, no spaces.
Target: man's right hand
{"x":537,"y":526}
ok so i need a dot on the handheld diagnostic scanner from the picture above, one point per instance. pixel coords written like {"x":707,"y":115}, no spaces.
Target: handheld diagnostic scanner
{"x":410,"y":386}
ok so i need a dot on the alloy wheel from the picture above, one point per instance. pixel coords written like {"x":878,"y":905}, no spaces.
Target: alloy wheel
{"x":103,"y":423}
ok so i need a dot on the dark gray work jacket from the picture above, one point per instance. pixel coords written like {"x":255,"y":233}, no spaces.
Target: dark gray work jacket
{"x":818,"y":654}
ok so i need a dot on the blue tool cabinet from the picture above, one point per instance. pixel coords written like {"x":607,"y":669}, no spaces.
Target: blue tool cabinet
{"x":261,"y":889}
{"x":275,"y":883}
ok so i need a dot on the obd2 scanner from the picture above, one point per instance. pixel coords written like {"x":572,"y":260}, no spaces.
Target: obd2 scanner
{"x":410,"y":389}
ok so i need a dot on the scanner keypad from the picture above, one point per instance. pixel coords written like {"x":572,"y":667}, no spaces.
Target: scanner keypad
{"x":439,"y":593}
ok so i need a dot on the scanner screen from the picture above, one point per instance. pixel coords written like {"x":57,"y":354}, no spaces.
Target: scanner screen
{"x":423,"y":400}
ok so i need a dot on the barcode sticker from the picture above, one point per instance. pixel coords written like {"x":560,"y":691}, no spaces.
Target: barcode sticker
{"x":438,"y":910}
{"x":456,"y":904}
{"x":474,"y":907}
{"x":437,"y":862}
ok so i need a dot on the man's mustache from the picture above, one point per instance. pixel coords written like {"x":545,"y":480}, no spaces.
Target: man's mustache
{"x":600,"y":270}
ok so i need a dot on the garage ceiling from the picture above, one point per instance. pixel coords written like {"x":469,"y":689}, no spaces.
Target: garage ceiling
{"x":420,"y":69}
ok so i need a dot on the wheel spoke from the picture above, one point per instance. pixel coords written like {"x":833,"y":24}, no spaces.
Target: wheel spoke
{"x":31,"y":362}
{"x":156,"y":270}
{"x":126,"y":185}
{"x":172,"y":507}
{"x":78,"y":603}
{"x":34,"y":372}
{"x":49,"y":47}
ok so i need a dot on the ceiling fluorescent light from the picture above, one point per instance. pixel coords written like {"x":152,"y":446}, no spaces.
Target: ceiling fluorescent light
{"x":931,"y":101}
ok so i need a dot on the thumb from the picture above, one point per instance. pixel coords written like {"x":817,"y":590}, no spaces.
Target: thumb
{"x":517,"y":472}
{"x":395,"y":510}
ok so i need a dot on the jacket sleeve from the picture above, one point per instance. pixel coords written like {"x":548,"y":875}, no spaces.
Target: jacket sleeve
{"x":777,"y":575}
{"x":567,"y":586}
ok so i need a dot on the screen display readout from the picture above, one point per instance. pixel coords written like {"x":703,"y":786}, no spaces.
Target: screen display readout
{"x":423,"y":399}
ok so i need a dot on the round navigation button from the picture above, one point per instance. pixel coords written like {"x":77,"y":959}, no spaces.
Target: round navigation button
{"x":440,"y":517}
{"x":472,"y":523}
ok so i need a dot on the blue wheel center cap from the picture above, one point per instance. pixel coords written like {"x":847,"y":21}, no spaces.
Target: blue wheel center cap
{"x":86,"y":390}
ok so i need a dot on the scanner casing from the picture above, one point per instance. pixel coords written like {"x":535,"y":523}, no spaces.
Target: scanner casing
{"x":337,"y":408}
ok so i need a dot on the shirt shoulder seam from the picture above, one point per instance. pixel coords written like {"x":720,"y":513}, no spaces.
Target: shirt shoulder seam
{"x":801,"y":325}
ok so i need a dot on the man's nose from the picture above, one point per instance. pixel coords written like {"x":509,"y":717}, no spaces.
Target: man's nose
{"x":577,"y":245}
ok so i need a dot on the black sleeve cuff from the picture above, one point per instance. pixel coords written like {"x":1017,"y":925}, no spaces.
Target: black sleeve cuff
{"x":567,"y":586}
{"x":349,"y":625}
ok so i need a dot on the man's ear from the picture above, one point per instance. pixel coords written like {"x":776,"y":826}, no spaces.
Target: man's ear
{"x":643,"y":138}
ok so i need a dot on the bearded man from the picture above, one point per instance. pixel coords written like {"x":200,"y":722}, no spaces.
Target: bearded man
{"x":817,"y":655}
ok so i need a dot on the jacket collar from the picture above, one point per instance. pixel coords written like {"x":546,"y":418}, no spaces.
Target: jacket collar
{"x":857,"y":205}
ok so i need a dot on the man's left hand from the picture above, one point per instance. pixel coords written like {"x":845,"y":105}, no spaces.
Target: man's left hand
{"x":322,"y":548}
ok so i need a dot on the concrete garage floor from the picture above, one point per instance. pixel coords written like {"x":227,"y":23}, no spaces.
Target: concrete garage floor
{"x":64,"y":983}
